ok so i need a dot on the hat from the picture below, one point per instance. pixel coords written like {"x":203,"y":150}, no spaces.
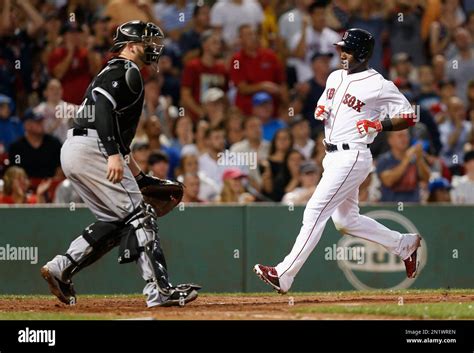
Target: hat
{"x":399,"y":57}
{"x":140,"y":144}
{"x":320,"y":54}
{"x":5,"y":99}
{"x":30,"y":114}
{"x":212,"y":95}
{"x":439,"y":183}
{"x":233,"y":173}
{"x":260,"y":98}
{"x":469,"y":156}
{"x":70,"y":26}
{"x":308,"y":167}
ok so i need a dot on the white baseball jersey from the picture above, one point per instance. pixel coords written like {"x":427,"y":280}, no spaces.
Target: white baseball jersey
{"x":363,"y":95}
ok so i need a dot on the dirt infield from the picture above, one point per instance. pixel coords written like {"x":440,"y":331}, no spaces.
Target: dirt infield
{"x":224,"y":307}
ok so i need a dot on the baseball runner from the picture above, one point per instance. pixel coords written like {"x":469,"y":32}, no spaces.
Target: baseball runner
{"x":96,"y":159}
{"x":353,"y":107}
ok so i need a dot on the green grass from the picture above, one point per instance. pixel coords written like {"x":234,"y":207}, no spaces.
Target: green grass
{"x":422,"y":311}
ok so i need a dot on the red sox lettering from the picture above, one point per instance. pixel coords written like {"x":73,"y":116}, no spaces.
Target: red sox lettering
{"x":353,"y":102}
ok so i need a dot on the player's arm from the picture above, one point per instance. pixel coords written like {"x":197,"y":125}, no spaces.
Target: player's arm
{"x":390,"y":177}
{"x":104,"y":124}
{"x":397,"y":123}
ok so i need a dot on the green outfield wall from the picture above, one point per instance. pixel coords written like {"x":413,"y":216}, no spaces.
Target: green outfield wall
{"x":218,"y":246}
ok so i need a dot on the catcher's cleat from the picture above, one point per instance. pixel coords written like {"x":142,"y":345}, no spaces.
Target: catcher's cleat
{"x":412,"y":263}
{"x":181,"y":295}
{"x":63,"y":291}
{"x":268,"y":275}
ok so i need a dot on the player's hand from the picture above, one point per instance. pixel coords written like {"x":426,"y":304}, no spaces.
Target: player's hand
{"x":367,"y":127}
{"x":115,"y":168}
{"x":321,"y":113}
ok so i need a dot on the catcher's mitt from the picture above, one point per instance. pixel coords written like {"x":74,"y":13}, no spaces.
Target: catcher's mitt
{"x":163,"y":195}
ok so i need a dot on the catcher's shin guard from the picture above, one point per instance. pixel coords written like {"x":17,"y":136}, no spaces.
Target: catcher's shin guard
{"x":142,"y":244}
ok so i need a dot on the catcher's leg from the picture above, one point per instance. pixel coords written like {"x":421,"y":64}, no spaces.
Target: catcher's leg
{"x":143,"y":245}
{"x":96,"y":240}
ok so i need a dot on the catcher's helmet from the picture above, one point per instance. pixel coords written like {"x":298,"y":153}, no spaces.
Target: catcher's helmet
{"x":138,"y":31}
{"x":359,"y":41}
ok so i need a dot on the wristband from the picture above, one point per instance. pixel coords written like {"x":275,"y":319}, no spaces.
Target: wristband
{"x":139,"y":176}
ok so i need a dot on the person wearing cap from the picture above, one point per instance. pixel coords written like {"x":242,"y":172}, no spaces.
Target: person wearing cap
{"x":463,"y":187}
{"x":36,"y":152}
{"x":262,"y":107}
{"x":301,"y":133}
{"x":312,"y":89}
{"x":11,"y":127}
{"x":439,"y":190}
{"x":233,"y":187}
{"x":214,"y":103}
{"x":190,"y":41}
{"x":314,"y":36}
{"x":309,"y":176}
{"x":254,"y":69}
{"x":203,"y":73}
{"x":72,"y":63}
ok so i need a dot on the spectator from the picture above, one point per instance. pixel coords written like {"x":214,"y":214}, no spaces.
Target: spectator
{"x":289,"y":177}
{"x":442,"y":30}
{"x":404,"y":74}
{"x":121,"y":11}
{"x":191,"y":189}
{"x":455,"y":133}
{"x":255,"y":69}
{"x":461,"y":63}
{"x":273,"y":166}
{"x":233,"y":189}
{"x":253,"y":144}
{"x":65,"y":193}
{"x":209,"y":162}
{"x":177,"y":16}
{"x":234,"y":126}
{"x":73,"y":64}
{"x":203,"y":73}
{"x":438,"y":63}
{"x":439,"y":191}
{"x":158,"y":164}
{"x":190,"y":41}
{"x":101,"y":37}
{"x":400,"y":41}
{"x":428,"y":97}
{"x":214,"y":104}
{"x":301,"y":133}
{"x":463,"y":187}
{"x":308,"y":181}
{"x":314,"y":37}
{"x":401,"y":169}
{"x":182,"y":133}
{"x":57,"y":113}
{"x":312,"y":89}
{"x":11,"y":127}
{"x":263,"y":109}
{"x":37,"y":153}
{"x":15,"y":188}
{"x":290,"y":23}
{"x":208,"y":188}
{"x":229,"y":16}
{"x":140,"y":153}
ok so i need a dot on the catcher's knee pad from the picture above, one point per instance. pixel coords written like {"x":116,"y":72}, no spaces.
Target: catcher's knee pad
{"x":102,"y":237}
{"x":143,"y":237}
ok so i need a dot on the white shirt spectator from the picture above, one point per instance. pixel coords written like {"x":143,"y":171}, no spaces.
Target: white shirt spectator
{"x":230,"y":16}
{"x":209,"y":167}
{"x":463,"y":191}
{"x":322,"y":42}
{"x":57,"y":119}
{"x":306,"y":150}
{"x":262,"y":154}
{"x":448,"y":152}
{"x":289,"y":24}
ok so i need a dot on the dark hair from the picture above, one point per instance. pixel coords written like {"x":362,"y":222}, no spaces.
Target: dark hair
{"x":158,"y":156}
{"x":273,"y":143}
{"x":247,"y":119}
{"x":210,"y":130}
{"x":284,"y":177}
{"x":319,"y":4}
{"x":198,"y":7}
{"x":175,"y":124}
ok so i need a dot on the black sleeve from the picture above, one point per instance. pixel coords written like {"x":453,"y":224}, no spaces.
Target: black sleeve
{"x":104,"y":123}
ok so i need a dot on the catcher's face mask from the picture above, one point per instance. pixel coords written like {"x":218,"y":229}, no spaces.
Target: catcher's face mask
{"x":153,"y":44}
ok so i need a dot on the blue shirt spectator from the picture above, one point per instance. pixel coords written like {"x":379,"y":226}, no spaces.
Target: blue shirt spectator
{"x":11,"y":128}
{"x":262,"y":107}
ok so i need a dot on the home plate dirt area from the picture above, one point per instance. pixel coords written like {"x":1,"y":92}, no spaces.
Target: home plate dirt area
{"x":378,"y":305}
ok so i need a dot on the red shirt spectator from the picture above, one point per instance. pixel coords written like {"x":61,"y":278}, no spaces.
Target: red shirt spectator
{"x":203,"y":73}
{"x":256,"y":69}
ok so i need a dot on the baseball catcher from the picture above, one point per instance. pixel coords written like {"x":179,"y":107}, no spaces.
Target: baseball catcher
{"x":96,"y":159}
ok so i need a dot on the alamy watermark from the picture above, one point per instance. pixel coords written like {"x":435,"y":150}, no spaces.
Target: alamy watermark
{"x":19,"y":253}
{"x":237,"y":159}
{"x":345,"y":253}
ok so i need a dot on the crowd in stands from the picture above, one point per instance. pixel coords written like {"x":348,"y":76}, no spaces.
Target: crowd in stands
{"x":230,"y":111}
